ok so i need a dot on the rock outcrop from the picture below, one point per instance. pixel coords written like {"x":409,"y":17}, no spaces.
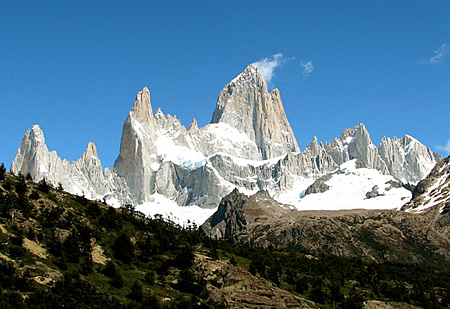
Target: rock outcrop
{"x":236,"y":210}
{"x":238,"y":288}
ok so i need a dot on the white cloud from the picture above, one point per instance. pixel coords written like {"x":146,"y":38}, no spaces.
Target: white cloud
{"x":439,"y":56}
{"x":308,"y":67}
{"x":268,"y":65}
{"x":445,"y":148}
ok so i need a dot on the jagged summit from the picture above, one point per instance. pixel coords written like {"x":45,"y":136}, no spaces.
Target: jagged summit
{"x":83,"y":177}
{"x":37,"y":135}
{"x":252,"y":75}
{"x":193,"y":127}
{"x":250,"y":78}
{"x":91,"y":149}
{"x":30,"y":153}
{"x":246,"y":105}
{"x":137,"y":149}
{"x":90,"y":156}
{"x":142,"y":109}
{"x":407,"y":158}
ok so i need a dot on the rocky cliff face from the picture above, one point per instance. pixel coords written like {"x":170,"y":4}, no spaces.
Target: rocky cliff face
{"x":406,"y":158}
{"x":379,"y":236}
{"x":137,"y":149}
{"x":236,"y":210}
{"x":247,"y":106}
{"x":249,"y":145}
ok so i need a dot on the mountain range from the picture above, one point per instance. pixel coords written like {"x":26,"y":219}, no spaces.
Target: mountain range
{"x":249,"y":145}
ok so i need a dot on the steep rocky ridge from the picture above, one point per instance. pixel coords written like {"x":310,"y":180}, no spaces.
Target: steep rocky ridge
{"x":380,"y":236}
{"x":406,"y":158}
{"x":433,"y":191}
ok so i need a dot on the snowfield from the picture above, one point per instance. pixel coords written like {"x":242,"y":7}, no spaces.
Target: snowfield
{"x":348,"y":190}
{"x":182,"y":215}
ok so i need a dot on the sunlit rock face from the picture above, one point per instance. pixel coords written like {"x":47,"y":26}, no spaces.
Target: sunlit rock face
{"x":246,"y":105}
{"x":83,"y":177}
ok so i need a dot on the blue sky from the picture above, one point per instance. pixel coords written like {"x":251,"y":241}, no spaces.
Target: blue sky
{"x":74,"y":67}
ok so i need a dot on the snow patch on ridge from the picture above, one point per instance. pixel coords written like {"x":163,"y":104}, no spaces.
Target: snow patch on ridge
{"x":155,"y":166}
{"x":169,"y":209}
{"x":293,"y":195}
{"x":434,"y":195}
{"x":180,"y":155}
{"x":246,"y":162}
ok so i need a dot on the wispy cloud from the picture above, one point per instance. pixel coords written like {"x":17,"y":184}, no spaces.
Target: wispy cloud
{"x":268,"y":65}
{"x":308,"y":67}
{"x":439,"y":55}
{"x":445,"y":148}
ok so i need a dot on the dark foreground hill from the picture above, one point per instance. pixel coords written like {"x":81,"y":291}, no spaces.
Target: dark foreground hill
{"x":372,"y":235}
{"x":58,"y":250}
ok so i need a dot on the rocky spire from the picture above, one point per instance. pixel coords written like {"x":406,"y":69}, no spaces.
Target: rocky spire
{"x":160,"y":118}
{"x":31,"y":151}
{"x":90,"y":152}
{"x":193,"y":127}
{"x":313,"y":148}
{"x":247,"y":106}
{"x":362,"y":148}
{"x":90,"y":162}
{"x":137,"y":148}
{"x":142,"y":109}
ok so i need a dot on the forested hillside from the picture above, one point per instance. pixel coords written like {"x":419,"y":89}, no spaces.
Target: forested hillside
{"x":60,"y":250}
